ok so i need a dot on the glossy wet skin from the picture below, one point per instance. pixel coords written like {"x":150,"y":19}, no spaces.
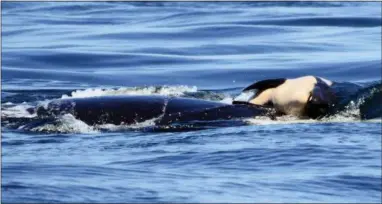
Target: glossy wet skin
{"x":134,"y":109}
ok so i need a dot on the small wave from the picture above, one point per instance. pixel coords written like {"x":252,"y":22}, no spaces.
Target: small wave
{"x":151,"y":90}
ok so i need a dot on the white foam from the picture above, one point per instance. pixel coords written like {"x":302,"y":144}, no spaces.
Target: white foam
{"x":144,"y":124}
{"x":286,"y":119}
{"x":17,"y":111}
{"x":340,"y":118}
{"x":351,"y":113}
{"x":150,"y":90}
{"x":66,"y":124}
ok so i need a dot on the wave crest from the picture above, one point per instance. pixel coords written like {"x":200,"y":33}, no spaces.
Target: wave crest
{"x":150,"y":90}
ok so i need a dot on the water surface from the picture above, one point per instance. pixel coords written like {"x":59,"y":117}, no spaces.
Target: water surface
{"x":205,"y":50}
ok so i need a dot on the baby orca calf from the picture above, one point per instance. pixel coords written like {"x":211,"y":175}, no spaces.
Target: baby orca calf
{"x":305,"y":97}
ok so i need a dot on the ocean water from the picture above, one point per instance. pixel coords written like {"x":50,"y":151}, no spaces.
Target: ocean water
{"x":203,"y":50}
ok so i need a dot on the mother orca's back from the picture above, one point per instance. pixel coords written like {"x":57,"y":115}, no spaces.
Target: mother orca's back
{"x":134,"y":109}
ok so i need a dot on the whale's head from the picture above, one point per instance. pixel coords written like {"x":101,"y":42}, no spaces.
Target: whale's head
{"x":320,"y":100}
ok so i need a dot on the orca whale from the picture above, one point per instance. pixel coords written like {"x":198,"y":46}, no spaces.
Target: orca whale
{"x":315,"y":97}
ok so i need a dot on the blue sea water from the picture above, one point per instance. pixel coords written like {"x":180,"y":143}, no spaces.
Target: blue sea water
{"x":206,"y":50}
